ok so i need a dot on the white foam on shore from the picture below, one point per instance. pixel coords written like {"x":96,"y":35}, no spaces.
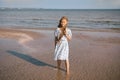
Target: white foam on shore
{"x":22,"y":39}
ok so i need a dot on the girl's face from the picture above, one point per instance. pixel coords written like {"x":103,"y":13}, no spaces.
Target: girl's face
{"x":64,"y":23}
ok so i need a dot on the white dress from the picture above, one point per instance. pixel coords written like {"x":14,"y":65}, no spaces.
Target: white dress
{"x":62,"y":48}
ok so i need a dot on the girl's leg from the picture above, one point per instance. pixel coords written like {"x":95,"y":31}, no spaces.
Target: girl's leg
{"x":58,"y":64}
{"x":67,"y":66}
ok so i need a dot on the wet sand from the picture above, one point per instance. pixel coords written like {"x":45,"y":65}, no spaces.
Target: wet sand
{"x":27,"y":54}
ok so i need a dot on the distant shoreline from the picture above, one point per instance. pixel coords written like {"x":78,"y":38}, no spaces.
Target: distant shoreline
{"x":7,"y":8}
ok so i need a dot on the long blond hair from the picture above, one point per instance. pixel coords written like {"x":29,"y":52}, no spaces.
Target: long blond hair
{"x":64,"y":17}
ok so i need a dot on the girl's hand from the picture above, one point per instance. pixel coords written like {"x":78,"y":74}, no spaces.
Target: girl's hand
{"x":65,"y":33}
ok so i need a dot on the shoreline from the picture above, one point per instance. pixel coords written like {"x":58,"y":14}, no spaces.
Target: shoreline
{"x":19,"y":35}
{"x":72,"y":28}
{"x":28,"y":34}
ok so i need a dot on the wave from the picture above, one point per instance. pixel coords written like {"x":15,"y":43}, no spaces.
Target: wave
{"x":113,"y":22}
{"x":37,"y":19}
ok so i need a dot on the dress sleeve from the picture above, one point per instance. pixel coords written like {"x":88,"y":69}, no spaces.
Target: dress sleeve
{"x":69,"y":33}
{"x":57,"y":33}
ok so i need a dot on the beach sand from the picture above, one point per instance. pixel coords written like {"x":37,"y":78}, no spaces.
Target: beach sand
{"x":27,"y":54}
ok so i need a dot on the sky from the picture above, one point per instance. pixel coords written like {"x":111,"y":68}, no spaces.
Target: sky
{"x":62,"y":4}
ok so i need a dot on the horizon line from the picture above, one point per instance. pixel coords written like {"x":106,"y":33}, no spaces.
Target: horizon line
{"x":62,"y":8}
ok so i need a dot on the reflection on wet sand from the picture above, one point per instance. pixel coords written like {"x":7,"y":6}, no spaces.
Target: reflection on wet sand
{"x":62,"y":76}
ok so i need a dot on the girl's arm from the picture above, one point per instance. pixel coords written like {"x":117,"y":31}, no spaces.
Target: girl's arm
{"x":57,"y":39}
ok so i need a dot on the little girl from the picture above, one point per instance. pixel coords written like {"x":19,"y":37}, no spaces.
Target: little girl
{"x":62,"y":36}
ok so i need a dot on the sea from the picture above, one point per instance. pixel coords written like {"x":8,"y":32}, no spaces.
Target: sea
{"x":49,"y":18}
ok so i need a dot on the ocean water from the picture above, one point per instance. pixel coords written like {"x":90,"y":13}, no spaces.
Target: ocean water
{"x":49,"y":18}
